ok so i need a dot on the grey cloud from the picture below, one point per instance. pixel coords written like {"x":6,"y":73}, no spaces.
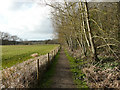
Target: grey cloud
{"x":19,"y":5}
{"x":42,"y":31}
{"x":45,"y":27}
{"x":38,"y":36}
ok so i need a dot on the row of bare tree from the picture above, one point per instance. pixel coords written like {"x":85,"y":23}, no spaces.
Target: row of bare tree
{"x":7,"y":36}
{"x":92,"y":28}
{"x":7,"y":39}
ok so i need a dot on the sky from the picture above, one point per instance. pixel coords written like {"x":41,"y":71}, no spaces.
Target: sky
{"x":27,"y":20}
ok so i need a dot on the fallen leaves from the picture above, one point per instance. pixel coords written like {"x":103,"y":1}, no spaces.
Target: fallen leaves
{"x":109,"y":78}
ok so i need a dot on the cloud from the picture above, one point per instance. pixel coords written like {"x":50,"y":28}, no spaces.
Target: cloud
{"x":44,"y":27}
{"x":27,"y":20}
{"x":21,"y":5}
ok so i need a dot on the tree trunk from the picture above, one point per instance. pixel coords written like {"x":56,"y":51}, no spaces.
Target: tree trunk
{"x":93,"y":49}
{"x":119,"y":24}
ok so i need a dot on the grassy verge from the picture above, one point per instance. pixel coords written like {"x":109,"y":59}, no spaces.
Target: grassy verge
{"x":78,"y":76}
{"x":46,"y":79}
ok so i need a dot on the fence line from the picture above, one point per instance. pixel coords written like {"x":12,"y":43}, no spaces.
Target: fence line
{"x":27,"y":73}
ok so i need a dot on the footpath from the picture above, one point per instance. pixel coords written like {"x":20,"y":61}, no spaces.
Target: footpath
{"x":63,"y":76}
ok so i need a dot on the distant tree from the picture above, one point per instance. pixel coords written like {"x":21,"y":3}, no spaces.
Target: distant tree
{"x":4,"y":36}
{"x":14,"y":38}
{"x":7,"y":39}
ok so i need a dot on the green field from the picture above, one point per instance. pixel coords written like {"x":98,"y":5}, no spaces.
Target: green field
{"x":13,"y":54}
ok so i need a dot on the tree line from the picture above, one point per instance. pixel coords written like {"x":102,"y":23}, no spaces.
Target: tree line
{"x":7,"y":39}
{"x":92,"y":28}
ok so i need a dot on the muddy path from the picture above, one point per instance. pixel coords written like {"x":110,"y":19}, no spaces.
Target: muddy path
{"x":63,"y":76}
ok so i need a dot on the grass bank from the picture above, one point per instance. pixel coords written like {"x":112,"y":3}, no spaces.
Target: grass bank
{"x":78,"y":75}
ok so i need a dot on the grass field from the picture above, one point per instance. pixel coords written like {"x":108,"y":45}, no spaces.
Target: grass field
{"x":13,"y":54}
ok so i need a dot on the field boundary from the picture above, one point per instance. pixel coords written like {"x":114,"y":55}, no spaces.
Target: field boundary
{"x":27,"y":73}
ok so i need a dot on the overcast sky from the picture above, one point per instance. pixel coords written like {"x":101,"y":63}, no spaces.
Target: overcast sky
{"x":27,"y":20}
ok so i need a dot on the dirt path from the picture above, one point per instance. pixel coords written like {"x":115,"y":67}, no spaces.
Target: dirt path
{"x":63,"y":75}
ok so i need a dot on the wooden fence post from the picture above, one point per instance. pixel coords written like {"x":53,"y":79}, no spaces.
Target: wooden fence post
{"x":48,"y":58}
{"x":38,"y":71}
{"x":51,"y":55}
{"x":54,"y":52}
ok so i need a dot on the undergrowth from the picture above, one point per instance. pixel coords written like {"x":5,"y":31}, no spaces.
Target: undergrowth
{"x":76,"y":68}
{"x":107,"y":63}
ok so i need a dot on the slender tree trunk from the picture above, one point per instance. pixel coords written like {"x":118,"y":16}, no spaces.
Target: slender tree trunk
{"x":81,"y":46}
{"x":83,"y":25}
{"x":93,"y":49}
{"x":119,"y":24}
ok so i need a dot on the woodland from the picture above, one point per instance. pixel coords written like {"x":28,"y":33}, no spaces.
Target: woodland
{"x":90,"y":31}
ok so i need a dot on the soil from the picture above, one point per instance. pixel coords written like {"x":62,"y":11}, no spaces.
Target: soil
{"x":63,"y":76}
